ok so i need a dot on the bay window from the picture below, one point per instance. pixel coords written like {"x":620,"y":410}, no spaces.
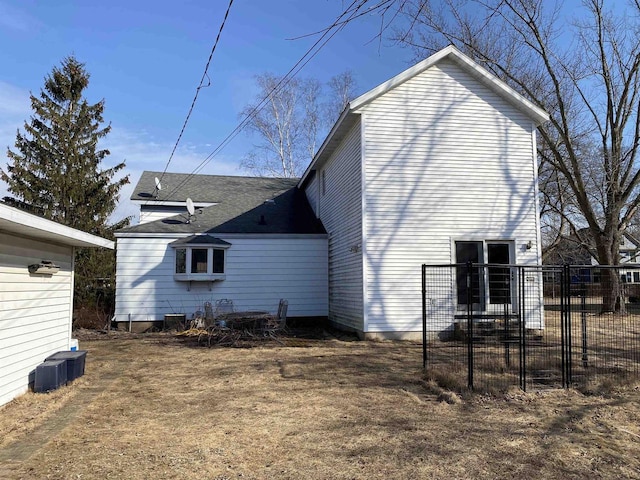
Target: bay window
{"x":200,"y":258}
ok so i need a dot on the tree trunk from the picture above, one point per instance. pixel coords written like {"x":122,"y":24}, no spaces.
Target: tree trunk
{"x":608,"y":249}
{"x":612,"y":291}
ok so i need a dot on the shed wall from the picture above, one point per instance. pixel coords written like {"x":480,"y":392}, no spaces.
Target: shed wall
{"x":35,"y":310}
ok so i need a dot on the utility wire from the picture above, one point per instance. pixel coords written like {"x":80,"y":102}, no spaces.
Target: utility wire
{"x":293,"y":71}
{"x":383,"y":3}
{"x":200,"y":86}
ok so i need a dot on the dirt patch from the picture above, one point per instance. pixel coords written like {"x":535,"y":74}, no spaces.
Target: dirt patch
{"x":335,"y":409}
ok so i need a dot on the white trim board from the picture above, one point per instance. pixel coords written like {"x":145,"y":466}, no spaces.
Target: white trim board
{"x":17,"y":222}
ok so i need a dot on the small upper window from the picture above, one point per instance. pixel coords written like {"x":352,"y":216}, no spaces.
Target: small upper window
{"x":323,"y":182}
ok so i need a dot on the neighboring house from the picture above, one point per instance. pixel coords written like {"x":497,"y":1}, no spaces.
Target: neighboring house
{"x":35,"y":308}
{"x":437,"y":165}
{"x":569,"y":249}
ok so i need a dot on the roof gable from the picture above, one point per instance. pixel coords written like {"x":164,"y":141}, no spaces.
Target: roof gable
{"x":479,"y":73}
{"x":348,"y":118}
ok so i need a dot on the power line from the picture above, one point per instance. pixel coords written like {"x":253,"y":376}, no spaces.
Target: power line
{"x":378,"y":6}
{"x":200,"y":85}
{"x":293,"y":71}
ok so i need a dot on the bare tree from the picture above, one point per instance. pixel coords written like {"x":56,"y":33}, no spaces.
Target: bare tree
{"x":585,"y":74}
{"x":342,"y":89}
{"x":288,"y":128}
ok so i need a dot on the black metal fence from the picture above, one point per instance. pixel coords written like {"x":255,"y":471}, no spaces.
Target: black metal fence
{"x":493,"y":326}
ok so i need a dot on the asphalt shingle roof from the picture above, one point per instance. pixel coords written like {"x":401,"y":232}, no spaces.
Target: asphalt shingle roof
{"x":177,"y":187}
{"x":243,"y":205}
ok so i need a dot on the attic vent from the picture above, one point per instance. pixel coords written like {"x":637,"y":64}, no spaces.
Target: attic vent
{"x":262,"y":220}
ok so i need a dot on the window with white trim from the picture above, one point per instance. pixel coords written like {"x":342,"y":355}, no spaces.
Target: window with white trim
{"x":200,"y":258}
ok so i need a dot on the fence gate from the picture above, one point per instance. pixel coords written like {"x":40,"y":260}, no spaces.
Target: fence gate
{"x":491,"y":326}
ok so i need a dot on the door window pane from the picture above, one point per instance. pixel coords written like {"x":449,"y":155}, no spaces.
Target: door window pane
{"x":499,"y":278}
{"x":469,"y":252}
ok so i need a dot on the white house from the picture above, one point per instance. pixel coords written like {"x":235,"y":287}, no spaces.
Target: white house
{"x":250,"y":240}
{"x":436,"y":165}
{"x":36,"y":293}
{"x":579,"y":249}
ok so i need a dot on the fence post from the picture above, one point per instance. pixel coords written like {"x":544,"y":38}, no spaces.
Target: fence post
{"x":470,"y":324}
{"x":565,"y":327}
{"x":505,"y":334}
{"x":569,"y":341}
{"x":424,"y":317}
{"x":583,"y":319}
{"x":563,"y":311}
{"x":522,"y":331}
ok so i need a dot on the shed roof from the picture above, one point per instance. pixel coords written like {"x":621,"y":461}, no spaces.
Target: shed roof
{"x":18,"y":222}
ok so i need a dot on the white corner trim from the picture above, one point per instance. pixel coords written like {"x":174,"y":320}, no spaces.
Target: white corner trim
{"x":364,"y":225}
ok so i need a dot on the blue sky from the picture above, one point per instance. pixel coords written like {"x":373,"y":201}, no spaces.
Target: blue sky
{"x":147,"y":57}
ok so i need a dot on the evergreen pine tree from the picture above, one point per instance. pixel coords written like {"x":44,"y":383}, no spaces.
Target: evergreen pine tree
{"x":55,"y":170}
{"x":56,"y":165}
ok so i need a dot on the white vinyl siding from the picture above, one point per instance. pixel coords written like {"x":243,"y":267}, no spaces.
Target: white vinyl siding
{"x":341,"y":214}
{"x":153,"y":213}
{"x":258,"y":273}
{"x":35,"y":310}
{"x":446,"y":159}
{"x":312,"y":191}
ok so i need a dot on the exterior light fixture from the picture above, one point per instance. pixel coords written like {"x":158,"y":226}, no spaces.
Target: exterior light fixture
{"x":45,"y":267}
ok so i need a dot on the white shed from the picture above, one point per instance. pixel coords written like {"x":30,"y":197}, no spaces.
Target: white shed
{"x":35,"y":308}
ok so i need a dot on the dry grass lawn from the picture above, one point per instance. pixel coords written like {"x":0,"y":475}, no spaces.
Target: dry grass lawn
{"x":155,"y":407}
